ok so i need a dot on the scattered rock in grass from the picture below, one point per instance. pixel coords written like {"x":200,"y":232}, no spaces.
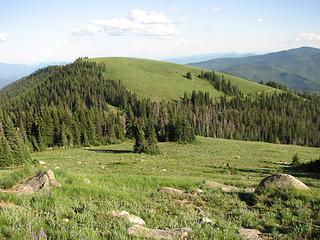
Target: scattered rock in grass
{"x":249,"y":189}
{"x":184,"y":202}
{"x":157,"y":234}
{"x":79,"y":162}
{"x":221,"y":186}
{"x":102,"y":167}
{"x":57,"y":167}
{"x":5,"y":205}
{"x":237,"y":157}
{"x":199,"y":210}
{"x":65,"y":220}
{"x":281,"y":182}
{"x":42,"y":162}
{"x":86,"y":181}
{"x":163,"y":170}
{"x":251,"y":234}
{"x":198,"y":191}
{"x":43,"y":180}
{"x":132,"y":219}
{"x":205,"y":220}
{"x":171,"y":190}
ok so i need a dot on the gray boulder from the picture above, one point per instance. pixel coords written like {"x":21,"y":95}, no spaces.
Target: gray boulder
{"x":43,"y":180}
{"x":281,"y":182}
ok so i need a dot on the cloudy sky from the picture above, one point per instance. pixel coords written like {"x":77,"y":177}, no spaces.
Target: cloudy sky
{"x":37,"y":31}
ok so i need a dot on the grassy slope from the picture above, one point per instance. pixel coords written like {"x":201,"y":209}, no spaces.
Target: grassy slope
{"x":124,"y":180}
{"x":163,"y":80}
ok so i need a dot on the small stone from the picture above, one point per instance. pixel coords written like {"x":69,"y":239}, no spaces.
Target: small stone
{"x":198,"y":191}
{"x":79,"y":162}
{"x":65,"y":220}
{"x":4,"y":205}
{"x":42,"y":162}
{"x":157,"y":234}
{"x":205,"y":220}
{"x":57,"y":167}
{"x":221,"y":186}
{"x":171,"y":190}
{"x":250,"y":234}
{"x":132,"y":219}
{"x":102,"y":167}
{"x":163,"y":170}
{"x":86,"y":181}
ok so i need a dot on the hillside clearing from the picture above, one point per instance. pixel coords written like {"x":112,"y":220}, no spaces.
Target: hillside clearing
{"x":163,"y":80}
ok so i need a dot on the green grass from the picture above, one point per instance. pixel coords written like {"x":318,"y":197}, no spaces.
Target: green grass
{"x":162,"y":80}
{"x":123,"y":180}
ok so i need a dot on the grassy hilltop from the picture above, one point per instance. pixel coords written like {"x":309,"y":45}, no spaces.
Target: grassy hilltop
{"x":164,"y":80}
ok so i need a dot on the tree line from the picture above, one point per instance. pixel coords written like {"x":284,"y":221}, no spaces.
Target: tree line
{"x":72,"y":106}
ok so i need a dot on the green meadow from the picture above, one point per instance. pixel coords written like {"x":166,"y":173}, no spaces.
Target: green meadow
{"x":97,"y":180}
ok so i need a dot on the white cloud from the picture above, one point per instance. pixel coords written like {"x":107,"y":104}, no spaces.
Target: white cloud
{"x":137,"y":22}
{"x":217,"y":9}
{"x":308,"y":37}
{"x":259,"y":20}
{"x":4,"y":37}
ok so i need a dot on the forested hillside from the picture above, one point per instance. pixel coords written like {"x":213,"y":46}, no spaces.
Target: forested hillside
{"x":298,"y":69}
{"x":70,"y":106}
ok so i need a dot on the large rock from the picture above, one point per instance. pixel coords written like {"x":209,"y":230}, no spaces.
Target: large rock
{"x":281,"y":182}
{"x":132,"y":219}
{"x":42,"y":180}
{"x":159,"y":234}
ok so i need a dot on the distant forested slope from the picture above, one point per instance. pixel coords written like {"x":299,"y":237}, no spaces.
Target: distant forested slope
{"x":299,"y":69}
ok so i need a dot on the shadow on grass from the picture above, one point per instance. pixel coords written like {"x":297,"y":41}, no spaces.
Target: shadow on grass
{"x":110,"y":151}
{"x":294,"y":171}
{"x":248,"y":198}
{"x":261,"y":171}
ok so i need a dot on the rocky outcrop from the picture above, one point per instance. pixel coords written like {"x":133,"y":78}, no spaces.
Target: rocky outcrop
{"x":43,"y":180}
{"x":281,"y":182}
{"x":159,"y":234}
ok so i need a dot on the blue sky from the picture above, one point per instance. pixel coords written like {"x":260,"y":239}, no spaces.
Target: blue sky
{"x":37,"y":31}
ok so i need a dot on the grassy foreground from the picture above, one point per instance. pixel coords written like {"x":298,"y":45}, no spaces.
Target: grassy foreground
{"x":166,"y":81}
{"x":100,"y":179}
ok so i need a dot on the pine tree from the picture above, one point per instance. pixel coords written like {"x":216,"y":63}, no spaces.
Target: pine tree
{"x":20,"y":154}
{"x":151,"y":138}
{"x":140,"y":141}
{"x":5,"y":153}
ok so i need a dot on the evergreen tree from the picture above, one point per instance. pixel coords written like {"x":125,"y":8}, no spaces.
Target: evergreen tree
{"x":19,"y":152}
{"x":140,"y":141}
{"x":189,"y":75}
{"x":152,"y":141}
{"x":5,"y":152}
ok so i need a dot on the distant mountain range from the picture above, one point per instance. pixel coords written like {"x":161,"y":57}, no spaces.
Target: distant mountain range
{"x":12,"y":72}
{"x":205,"y":57}
{"x":298,"y":68}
